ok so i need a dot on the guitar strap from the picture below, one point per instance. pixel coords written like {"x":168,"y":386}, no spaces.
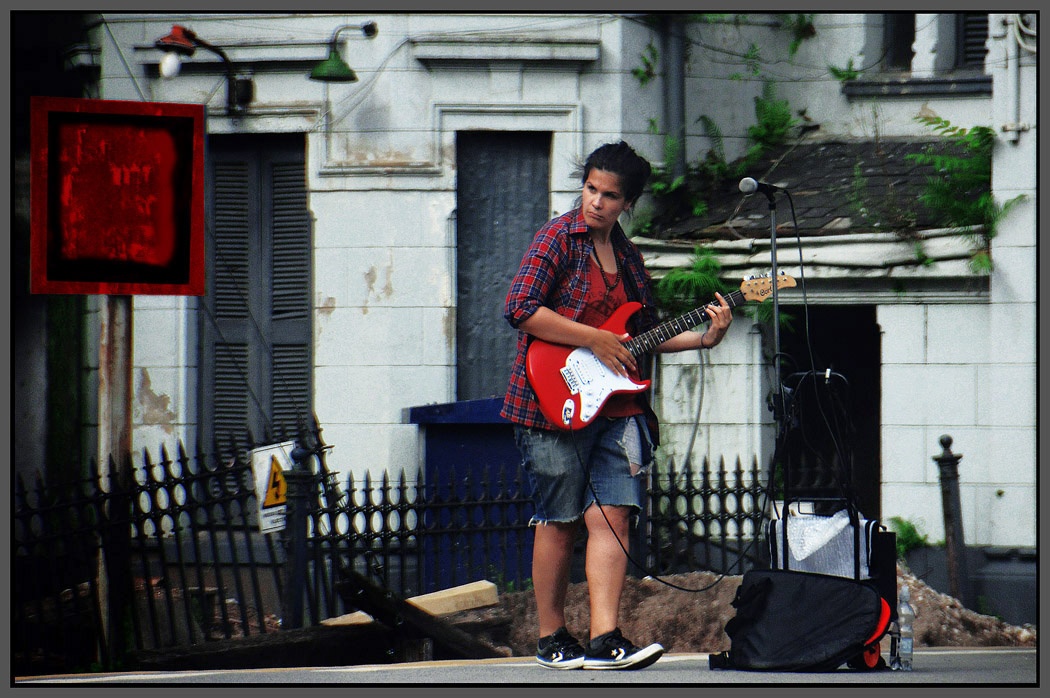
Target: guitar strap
{"x":651,"y":420}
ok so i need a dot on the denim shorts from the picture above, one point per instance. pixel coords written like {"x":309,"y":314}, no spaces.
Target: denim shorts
{"x":613,"y":453}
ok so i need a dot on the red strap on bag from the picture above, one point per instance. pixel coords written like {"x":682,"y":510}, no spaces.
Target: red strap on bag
{"x":884,"y":623}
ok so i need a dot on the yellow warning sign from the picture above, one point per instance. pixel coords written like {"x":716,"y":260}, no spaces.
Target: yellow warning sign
{"x":276,"y":489}
{"x":269,"y":464}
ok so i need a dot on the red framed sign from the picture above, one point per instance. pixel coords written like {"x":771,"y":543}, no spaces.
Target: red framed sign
{"x":116,"y":197}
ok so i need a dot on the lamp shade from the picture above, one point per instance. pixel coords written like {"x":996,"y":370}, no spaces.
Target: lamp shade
{"x":333,"y":69}
{"x":179,"y":41}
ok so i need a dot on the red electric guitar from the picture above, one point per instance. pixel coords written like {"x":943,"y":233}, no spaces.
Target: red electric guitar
{"x":572,"y":385}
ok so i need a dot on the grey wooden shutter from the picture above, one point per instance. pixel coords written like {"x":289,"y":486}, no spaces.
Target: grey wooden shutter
{"x":226,"y":356}
{"x":290,"y":297}
{"x":971,"y":35}
{"x":256,"y":348}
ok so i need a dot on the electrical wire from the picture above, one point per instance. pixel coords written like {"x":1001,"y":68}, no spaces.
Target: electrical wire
{"x":833,"y":433}
{"x":123,"y":59}
{"x":734,"y":57}
{"x":699,"y":404}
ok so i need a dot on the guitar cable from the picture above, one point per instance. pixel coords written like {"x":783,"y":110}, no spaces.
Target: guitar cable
{"x":601,"y":508}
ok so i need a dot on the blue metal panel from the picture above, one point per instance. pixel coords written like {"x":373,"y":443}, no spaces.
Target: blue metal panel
{"x":471,"y":456}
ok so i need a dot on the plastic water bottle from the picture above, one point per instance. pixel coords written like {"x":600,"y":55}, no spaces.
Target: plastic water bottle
{"x":895,"y":645}
{"x":906,"y":624}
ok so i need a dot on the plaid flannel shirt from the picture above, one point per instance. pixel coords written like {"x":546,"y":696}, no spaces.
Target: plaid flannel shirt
{"x":553,"y":274}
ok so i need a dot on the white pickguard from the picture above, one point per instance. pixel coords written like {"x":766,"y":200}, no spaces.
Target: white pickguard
{"x":592,"y":380}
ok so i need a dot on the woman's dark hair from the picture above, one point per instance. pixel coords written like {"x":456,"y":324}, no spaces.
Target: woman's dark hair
{"x":621,"y":160}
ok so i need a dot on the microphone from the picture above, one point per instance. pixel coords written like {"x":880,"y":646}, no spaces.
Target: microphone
{"x":750,"y":186}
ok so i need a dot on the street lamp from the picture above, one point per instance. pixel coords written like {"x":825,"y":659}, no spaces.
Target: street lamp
{"x":334,"y":68}
{"x":181,"y":43}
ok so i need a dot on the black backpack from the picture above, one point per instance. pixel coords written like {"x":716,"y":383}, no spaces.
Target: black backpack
{"x":801,"y":621}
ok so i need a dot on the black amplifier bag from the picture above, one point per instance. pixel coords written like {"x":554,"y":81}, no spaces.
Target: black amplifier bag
{"x":801,"y":621}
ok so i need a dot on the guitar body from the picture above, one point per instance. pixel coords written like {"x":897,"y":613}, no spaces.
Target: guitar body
{"x":571,"y":384}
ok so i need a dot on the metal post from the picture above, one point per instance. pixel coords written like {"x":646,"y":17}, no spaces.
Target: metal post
{"x":115,"y":381}
{"x":299,"y":482}
{"x":958,"y":570}
{"x":115,"y":360}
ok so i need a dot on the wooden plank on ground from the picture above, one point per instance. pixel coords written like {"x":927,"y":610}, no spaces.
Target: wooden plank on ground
{"x":409,"y":621}
{"x":474,"y":595}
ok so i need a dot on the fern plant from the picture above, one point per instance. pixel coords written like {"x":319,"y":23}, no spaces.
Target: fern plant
{"x":714,"y":164}
{"x":908,"y":538}
{"x":844,"y":74}
{"x":773,"y":122}
{"x":685,"y":288}
{"x":664,"y":184}
{"x":682,"y":289}
{"x":959,"y":193}
{"x":647,"y":70}
{"x":801,"y":26}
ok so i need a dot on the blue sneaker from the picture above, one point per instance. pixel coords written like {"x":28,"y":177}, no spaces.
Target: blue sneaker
{"x":613,"y":651}
{"x":559,"y":650}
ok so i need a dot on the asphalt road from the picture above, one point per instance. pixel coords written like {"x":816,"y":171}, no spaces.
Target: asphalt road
{"x":958,"y":667}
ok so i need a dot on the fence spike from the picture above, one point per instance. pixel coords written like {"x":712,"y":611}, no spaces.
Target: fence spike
{"x":452,"y":480}
{"x":147,"y":465}
{"x":181,"y":457}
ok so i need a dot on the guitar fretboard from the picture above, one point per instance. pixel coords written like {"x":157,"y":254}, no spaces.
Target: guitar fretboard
{"x":649,"y":340}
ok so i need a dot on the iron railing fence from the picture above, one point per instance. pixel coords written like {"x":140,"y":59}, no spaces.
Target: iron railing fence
{"x":414,"y":537}
{"x":708,"y":519}
{"x":174,"y":557}
{"x":160,"y":555}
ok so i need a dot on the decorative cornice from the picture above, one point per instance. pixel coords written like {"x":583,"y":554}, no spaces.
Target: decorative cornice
{"x":436,"y":51}
{"x":867,"y":256}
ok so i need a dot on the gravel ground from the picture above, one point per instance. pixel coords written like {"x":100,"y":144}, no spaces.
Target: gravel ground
{"x":692,"y":617}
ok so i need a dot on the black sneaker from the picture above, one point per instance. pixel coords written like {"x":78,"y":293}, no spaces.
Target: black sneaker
{"x":613,"y":651}
{"x":559,"y":650}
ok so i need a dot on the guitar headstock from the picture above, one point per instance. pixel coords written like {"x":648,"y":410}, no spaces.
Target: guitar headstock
{"x":759,"y":288}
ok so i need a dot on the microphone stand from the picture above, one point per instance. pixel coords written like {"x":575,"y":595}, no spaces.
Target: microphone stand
{"x":778,"y":407}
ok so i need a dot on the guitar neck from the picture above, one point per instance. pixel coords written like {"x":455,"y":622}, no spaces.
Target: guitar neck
{"x":649,"y":340}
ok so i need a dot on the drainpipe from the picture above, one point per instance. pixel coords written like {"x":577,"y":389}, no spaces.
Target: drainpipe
{"x":674,"y":87}
{"x":1013,"y":66}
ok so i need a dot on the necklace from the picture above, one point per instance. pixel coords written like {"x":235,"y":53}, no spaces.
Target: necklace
{"x":608,"y":286}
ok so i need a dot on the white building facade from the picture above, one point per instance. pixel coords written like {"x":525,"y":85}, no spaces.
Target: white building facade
{"x":381,"y":186}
